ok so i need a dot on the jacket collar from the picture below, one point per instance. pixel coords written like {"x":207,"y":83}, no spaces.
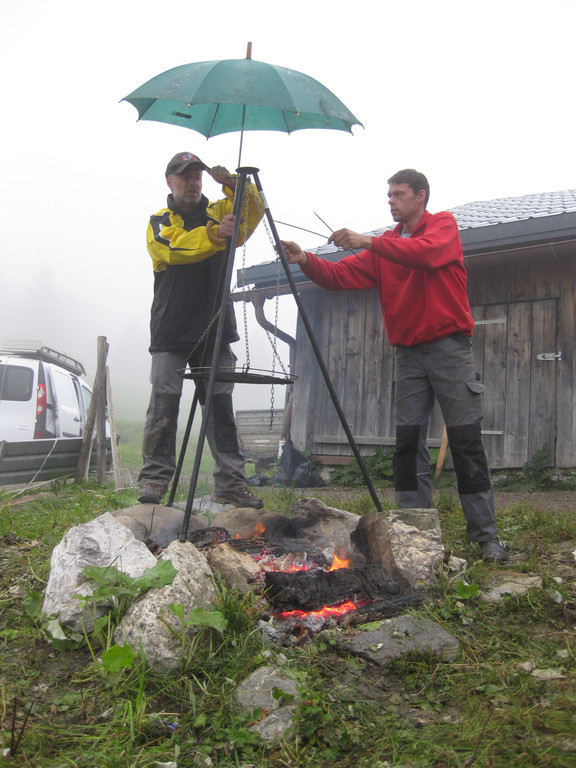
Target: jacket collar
{"x":174,"y":207}
{"x":421,"y":224}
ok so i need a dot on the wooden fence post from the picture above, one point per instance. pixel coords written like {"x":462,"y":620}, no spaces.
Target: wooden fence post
{"x":95,"y":419}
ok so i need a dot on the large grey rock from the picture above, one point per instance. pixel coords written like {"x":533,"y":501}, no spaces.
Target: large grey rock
{"x":101,"y":542}
{"x":156,"y":522}
{"x":407,"y":542}
{"x":396,"y":637}
{"x":258,"y":689}
{"x":326,"y":527}
{"x":419,"y":553}
{"x":246,"y":523}
{"x":150,"y":624}
{"x":240,"y":523}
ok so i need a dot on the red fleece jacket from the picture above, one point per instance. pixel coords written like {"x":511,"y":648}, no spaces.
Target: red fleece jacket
{"x":421,"y":280}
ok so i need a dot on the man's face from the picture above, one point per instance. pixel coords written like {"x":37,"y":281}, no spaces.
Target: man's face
{"x":404,"y":203}
{"x":186,"y":187}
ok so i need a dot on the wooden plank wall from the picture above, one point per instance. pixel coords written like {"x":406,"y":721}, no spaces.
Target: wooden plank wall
{"x":533,"y":293}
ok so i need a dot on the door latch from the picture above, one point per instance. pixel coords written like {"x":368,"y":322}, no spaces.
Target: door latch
{"x":549,"y":356}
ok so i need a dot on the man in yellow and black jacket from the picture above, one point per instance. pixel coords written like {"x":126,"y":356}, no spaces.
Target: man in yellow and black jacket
{"x":187,"y":242}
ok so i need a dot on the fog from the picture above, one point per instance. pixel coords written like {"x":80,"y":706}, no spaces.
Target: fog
{"x":476,"y":95}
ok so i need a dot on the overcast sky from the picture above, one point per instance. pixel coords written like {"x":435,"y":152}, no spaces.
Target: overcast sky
{"x":477,"y":95}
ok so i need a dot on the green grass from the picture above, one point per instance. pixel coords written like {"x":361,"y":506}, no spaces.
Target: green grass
{"x":130,"y":448}
{"x":483,"y":709}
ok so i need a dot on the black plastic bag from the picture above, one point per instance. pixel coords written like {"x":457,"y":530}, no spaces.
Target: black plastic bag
{"x":295,"y":469}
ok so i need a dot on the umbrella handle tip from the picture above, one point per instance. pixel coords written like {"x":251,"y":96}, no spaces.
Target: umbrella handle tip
{"x":249,"y":51}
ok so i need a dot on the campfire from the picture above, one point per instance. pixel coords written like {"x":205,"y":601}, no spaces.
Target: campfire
{"x":310,"y":583}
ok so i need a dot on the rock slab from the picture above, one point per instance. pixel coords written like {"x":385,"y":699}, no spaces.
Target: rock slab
{"x":395,"y":637}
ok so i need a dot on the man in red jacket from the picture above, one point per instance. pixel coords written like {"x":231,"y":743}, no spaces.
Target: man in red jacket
{"x":418,"y":271}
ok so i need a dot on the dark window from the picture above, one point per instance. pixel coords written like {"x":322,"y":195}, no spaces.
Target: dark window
{"x":16,"y":382}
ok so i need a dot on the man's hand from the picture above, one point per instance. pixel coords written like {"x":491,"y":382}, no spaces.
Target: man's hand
{"x":226,"y":228}
{"x":294,"y":254}
{"x":346,"y":238}
{"x":222,"y":175}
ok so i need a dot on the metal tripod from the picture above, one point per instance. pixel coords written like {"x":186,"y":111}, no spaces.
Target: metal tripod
{"x":243,"y":174}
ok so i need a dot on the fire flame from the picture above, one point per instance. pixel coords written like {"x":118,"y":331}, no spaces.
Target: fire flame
{"x":258,"y":531}
{"x":339,"y":561}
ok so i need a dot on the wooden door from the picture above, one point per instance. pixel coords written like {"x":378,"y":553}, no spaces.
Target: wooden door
{"x":515,"y":350}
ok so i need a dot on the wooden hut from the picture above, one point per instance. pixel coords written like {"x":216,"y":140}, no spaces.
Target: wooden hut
{"x":520,"y":254}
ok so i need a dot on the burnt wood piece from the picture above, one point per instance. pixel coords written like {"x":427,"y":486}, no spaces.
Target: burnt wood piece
{"x":279,"y":547}
{"x":380,"y":609}
{"x":372,"y":538}
{"x":205,"y":538}
{"x":311,"y":590}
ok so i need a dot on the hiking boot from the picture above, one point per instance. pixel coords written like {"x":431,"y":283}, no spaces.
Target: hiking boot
{"x":151,"y":493}
{"x":240,"y":497}
{"x":494,"y":551}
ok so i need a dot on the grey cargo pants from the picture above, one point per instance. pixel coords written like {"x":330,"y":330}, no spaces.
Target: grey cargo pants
{"x":446,"y":370}
{"x":159,"y":443}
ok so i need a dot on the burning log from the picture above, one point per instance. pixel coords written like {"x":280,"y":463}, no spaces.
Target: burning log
{"x":278,"y":547}
{"x":379,"y":609}
{"x":311,"y":590}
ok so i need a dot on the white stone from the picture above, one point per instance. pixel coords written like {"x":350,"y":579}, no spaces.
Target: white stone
{"x":151,"y":625}
{"x":504,"y":583}
{"x":101,"y":542}
{"x":418,"y":553}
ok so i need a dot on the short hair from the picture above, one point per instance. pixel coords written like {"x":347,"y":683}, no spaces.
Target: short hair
{"x":414,"y":179}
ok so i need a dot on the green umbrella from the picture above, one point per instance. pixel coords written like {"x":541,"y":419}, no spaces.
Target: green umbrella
{"x":215,"y":97}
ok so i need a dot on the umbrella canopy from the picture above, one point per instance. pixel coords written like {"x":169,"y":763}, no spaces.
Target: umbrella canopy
{"x":215,"y":97}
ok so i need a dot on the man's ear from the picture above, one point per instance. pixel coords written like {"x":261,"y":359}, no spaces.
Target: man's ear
{"x":169,"y":182}
{"x":421,"y":196}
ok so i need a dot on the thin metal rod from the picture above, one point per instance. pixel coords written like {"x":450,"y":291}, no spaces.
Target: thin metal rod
{"x":323,"y":222}
{"x":183,"y":448}
{"x":316,"y":348}
{"x":285,"y":224}
{"x":243,"y":173}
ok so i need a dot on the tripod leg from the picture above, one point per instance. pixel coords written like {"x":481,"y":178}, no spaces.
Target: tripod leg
{"x":183,"y":448}
{"x":316,"y":348}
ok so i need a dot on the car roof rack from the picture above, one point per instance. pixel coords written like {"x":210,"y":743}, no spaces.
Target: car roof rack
{"x":39,"y":351}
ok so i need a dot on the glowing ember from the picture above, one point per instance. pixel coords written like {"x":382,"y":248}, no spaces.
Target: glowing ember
{"x":324,"y":613}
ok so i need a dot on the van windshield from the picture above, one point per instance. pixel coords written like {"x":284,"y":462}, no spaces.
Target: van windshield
{"x":16,"y":382}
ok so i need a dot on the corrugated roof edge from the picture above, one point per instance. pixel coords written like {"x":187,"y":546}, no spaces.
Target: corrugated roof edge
{"x":525,"y":220}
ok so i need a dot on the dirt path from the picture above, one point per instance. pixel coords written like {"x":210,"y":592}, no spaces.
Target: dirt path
{"x":547,"y":501}
{"x":551,"y":501}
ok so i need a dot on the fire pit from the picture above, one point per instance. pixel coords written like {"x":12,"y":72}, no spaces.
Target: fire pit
{"x":306,"y":582}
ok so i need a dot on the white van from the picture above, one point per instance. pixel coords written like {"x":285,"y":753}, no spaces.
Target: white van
{"x":41,"y":394}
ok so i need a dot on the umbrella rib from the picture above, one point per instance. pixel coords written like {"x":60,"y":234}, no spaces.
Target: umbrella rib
{"x":241,"y":135}
{"x":288,"y":131}
{"x":213,"y":121}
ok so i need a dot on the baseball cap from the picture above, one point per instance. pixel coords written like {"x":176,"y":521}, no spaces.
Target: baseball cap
{"x":182,"y":160}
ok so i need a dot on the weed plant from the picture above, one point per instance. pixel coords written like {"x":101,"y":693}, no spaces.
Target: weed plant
{"x":485,"y":709}
{"x":380,"y":468}
{"x":536,"y":475}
